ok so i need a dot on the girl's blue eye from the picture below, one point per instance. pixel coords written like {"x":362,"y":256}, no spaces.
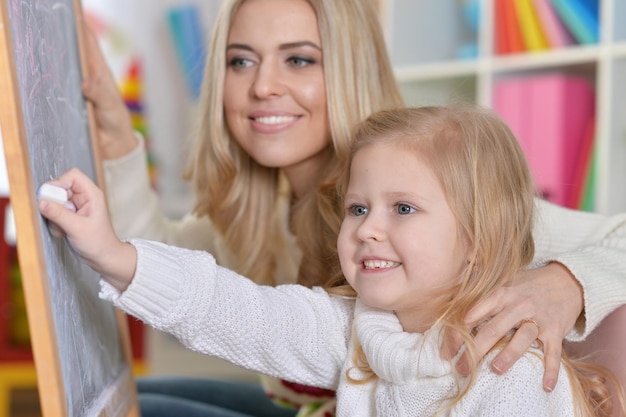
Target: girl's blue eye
{"x":357,"y":210}
{"x":404,"y":209}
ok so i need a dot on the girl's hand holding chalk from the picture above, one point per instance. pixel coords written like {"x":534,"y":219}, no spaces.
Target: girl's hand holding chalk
{"x":56,"y":194}
{"x":88,"y":230}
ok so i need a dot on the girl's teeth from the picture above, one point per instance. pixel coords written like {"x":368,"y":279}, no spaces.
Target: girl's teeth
{"x":375,"y":264}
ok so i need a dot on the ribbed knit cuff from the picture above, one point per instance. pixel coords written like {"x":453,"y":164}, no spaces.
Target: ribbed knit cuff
{"x":603,"y":285}
{"x":151,"y":295}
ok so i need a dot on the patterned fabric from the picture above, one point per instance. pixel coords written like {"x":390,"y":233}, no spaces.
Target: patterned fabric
{"x":310,"y":401}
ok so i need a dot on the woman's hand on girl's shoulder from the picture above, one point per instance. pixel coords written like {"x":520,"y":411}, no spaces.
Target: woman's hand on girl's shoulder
{"x":542,"y":303}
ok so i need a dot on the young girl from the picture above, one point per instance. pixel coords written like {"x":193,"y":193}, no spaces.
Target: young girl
{"x":438,"y":215}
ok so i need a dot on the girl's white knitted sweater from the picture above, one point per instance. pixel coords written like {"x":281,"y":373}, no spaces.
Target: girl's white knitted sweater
{"x":305,"y":335}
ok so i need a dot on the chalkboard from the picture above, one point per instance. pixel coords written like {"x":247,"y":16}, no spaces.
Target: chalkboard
{"x":80,"y":343}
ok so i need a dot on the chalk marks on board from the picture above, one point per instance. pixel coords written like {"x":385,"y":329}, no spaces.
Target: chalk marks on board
{"x":57,"y":129}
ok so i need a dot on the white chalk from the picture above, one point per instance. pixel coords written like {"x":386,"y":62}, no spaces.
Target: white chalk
{"x":56,"y":194}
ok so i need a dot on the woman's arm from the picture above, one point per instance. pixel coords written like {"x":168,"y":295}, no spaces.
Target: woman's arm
{"x":136,"y":211}
{"x":593,"y":249}
{"x":583,"y":278}
{"x":133,"y":204}
{"x":115,"y":135}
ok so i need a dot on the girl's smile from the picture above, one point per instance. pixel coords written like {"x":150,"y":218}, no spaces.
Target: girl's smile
{"x":379,"y":264}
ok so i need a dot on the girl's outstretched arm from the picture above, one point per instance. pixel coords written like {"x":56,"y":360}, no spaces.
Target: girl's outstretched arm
{"x":89,"y":230}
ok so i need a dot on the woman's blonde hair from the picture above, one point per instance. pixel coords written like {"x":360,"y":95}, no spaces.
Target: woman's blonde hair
{"x":239,"y":195}
{"x":489,"y":188}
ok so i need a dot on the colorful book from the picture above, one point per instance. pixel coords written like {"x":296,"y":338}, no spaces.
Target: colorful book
{"x":501,"y":42}
{"x":511,"y":23}
{"x":589,"y":190}
{"x":560,"y":109}
{"x":532,"y":33}
{"x":580,"y":17}
{"x":187,"y":33}
{"x":554,"y":30}
{"x":582,"y":169}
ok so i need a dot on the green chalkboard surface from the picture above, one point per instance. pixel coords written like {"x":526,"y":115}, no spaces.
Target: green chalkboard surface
{"x":80,"y":343}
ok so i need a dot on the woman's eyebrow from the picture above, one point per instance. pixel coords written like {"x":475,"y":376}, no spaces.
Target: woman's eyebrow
{"x":239,"y":46}
{"x":300,"y":44}
{"x":284,"y":46}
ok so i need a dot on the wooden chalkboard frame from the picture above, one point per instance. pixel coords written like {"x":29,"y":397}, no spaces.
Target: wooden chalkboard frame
{"x":120,"y":399}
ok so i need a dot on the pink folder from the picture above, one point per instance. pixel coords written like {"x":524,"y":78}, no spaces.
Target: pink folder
{"x":560,"y":110}
{"x":511,"y":101}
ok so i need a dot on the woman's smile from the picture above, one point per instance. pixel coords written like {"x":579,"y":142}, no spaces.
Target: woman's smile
{"x":272,"y":122}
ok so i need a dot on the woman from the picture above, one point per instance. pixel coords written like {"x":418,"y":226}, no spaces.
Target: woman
{"x":285,"y":82}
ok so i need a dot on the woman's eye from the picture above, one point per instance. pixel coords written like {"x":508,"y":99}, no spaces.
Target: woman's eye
{"x":297,"y":61}
{"x":404,"y":209}
{"x":357,"y":210}
{"x":239,"y":63}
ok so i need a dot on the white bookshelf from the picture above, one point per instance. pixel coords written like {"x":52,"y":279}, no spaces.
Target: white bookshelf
{"x":425,"y":37}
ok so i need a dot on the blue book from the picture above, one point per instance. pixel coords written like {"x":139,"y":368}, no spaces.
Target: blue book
{"x":188,"y":36}
{"x":580,"y":17}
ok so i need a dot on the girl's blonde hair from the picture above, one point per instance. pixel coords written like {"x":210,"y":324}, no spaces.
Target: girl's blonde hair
{"x":239,"y":195}
{"x":489,"y":188}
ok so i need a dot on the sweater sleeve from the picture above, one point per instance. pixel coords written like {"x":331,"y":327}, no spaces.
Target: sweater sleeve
{"x":135,"y":210}
{"x":593,"y":248}
{"x":290,"y":332}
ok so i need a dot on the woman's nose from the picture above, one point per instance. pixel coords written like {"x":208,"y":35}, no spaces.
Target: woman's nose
{"x":268,"y":81}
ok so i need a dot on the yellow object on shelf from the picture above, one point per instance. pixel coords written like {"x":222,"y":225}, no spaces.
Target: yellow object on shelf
{"x":532,"y":33}
{"x":14,"y":376}
{"x":18,"y":332}
{"x":22,"y":375}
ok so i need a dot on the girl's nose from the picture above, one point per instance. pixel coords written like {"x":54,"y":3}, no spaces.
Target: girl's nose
{"x":371,"y":229}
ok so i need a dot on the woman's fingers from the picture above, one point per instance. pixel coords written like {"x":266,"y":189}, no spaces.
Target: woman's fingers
{"x":493,"y":326}
{"x":552,"y":350}
{"x":114,"y":125}
{"x":540,"y":304}
{"x":523,"y":338}
{"x":451,"y":345}
{"x":99,"y":82}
